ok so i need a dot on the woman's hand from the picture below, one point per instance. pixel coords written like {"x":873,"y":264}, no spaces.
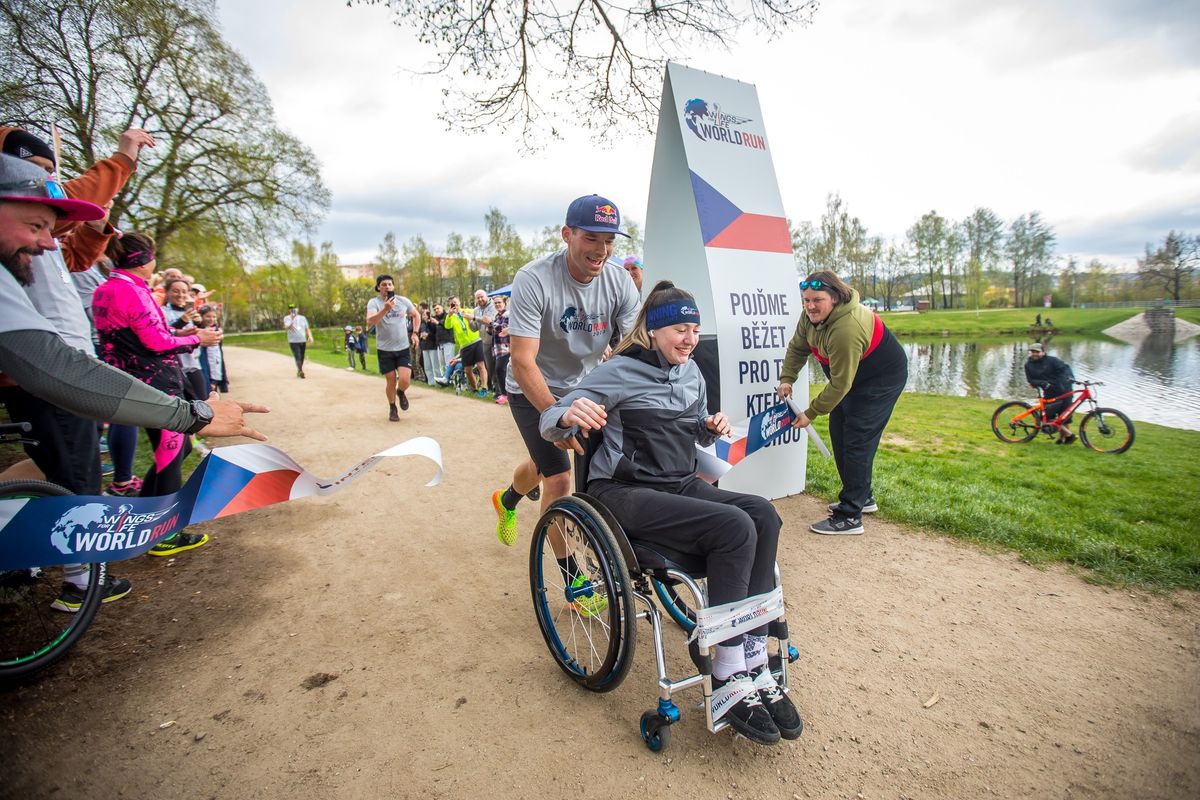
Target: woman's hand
{"x":784,"y":390}
{"x":801,"y":421}
{"x":587,"y":415}
{"x":718,"y":423}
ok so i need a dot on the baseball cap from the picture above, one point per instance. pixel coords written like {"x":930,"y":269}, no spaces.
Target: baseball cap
{"x":23,"y":182}
{"x":1036,"y":347}
{"x":633,"y":261}
{"x":594,"y":213}
{"x":349,"y":328}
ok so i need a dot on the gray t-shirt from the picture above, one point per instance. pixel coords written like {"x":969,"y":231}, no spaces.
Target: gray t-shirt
{"x":478,"y":323}
{"x":297,"y":329}
{"x":391,"y":332}
{"x":574,"y":321}
{"x":53,"y":295}
{"x":16,"y":311}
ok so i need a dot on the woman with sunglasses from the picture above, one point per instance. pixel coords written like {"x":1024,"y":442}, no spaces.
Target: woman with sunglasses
{"x":650,"y":399}
{"x":866,"y":368}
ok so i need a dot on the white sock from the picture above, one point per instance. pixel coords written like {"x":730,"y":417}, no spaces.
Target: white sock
{"x":728,"y":660}
{"x":77,"y":575}
{"x":756,"y":651}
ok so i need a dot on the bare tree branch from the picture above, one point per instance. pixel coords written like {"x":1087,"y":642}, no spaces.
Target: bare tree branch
{"x":597,"y":62}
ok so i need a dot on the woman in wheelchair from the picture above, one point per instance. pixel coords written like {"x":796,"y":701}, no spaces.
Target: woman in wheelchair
{"x":650,"y":400}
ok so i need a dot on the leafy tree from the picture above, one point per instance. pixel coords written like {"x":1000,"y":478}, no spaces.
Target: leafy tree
{"x":421,"y":277}
{"x":387,"y":259}
{"x":463,"y":273}
{"x":356,"y":294}
{"x":983,"y":234}
{"x":927,"y":246}
{"x":98,"y":67}
{"x":1030,"y":248}
{"x":635,"y":245}
{"x":1170,"y":266}
{"x":599,"y":62}
{"x":804,"y":245}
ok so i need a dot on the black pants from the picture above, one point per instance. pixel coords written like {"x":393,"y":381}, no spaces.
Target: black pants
{"x":194,"y":386}
{"x":68,"y":447}
{"x":501,"y":374}
{"x":166,"y":466}
{"x":298,"y":353}
{"x":736,"y":534}
{"x":855,"y":428}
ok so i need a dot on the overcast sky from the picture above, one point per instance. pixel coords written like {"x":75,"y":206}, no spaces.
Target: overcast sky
{"x":1085,"y":110}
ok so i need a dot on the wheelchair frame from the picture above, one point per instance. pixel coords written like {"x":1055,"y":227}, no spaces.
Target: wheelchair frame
{"x":629,"y":582}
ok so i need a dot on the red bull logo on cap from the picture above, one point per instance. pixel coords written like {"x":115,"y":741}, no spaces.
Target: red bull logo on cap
{"x":606,"y":214}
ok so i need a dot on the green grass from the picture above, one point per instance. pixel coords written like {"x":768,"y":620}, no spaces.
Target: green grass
{"x":1129,"y":518}
{"x":1006,"y":321}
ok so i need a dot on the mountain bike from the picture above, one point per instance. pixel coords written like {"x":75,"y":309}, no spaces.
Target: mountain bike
{"x":1104,"y":430}
{"x":32,"y":634}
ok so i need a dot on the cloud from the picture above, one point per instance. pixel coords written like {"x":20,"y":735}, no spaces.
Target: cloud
{"x":1175,"y":148}
{"x":1128,"y":233}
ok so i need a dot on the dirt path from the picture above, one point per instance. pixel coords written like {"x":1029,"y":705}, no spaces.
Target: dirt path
{"x":442,"y":687}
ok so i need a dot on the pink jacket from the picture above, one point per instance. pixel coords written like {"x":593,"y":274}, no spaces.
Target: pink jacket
{"x":134,"y":336}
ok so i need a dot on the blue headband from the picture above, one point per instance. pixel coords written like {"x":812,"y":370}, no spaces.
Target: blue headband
{"x":672,"y":313}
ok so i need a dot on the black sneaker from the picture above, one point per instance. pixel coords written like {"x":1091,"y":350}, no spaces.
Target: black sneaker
{"x":870,"y":508}
{"x":403,"y":398}
{"x":179,"y":543}
{"x":744,"y":709}
{"x":70,"y":599}
{"x":777,"y":703}
{"x":393,"y":414}
{"x":837,"y":525}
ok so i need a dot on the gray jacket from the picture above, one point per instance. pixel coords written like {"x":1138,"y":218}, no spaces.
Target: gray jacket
{"x":656,"y":415}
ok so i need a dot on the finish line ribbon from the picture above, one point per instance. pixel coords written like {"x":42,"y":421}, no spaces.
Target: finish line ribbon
{"x":43,"y":531}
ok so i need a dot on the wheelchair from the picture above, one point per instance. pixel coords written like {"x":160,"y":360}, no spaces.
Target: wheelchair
{"x":590,"y":625}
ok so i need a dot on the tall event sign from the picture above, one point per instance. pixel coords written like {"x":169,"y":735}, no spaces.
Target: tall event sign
{"x":715,"y":226}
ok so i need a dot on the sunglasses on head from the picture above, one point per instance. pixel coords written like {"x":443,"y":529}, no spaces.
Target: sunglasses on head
{"x":811,"y":285}
{"x":52,"y":188}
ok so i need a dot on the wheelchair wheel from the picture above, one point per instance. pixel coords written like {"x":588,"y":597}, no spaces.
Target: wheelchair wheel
{"x":587,"y":621}
{"x":677,"y":608}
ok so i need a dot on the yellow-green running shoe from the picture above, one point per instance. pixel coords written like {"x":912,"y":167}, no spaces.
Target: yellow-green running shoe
{"x":506,"y":521}
{"x":587,"y":603}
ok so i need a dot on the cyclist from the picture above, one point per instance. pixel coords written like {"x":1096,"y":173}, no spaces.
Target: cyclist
{"x":1054,"y":377}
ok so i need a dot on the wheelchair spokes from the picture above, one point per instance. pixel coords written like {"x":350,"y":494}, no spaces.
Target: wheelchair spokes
{"x":582,"y":616}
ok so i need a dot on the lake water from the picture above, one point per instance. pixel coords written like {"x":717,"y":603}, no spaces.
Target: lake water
{"x":1156,"y":380}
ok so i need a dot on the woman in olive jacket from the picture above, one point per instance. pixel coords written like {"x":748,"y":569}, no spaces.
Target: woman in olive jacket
{"x":867,"y":370}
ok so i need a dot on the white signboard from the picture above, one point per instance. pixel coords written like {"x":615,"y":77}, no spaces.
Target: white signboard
{"x":715,"y":226}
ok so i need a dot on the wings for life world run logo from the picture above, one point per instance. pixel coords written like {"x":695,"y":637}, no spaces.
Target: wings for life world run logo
{"x":573,"y":320}
{"x":711,"y":124}
{"x":94,"y":527}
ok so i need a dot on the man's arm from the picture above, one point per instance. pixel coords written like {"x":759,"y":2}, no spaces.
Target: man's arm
{"x":523,"y":352}
{"x":47,"y":367}
{"x":414,"y":320}
{"x":374,"y":319}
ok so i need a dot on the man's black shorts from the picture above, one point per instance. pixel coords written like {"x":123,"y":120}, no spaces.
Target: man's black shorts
{"x":472,"y":354}
{"x":391,"y":360}
{"x":548,"y":458}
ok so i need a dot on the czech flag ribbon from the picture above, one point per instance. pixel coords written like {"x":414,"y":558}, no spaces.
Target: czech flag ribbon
{"x":745,"y":438}
{"x":44,"y":531}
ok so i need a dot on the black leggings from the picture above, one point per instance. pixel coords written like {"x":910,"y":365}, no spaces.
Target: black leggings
{"x":298,"y":353}
{"x":166,"y":467}
{"x":736,"y":534}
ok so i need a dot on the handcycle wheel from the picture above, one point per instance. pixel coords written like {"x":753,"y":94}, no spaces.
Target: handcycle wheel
{"x":589,"y":625}
{"x":1012,"y":430}
{"x":32,"y":634}
{"x":1107,"y":430}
